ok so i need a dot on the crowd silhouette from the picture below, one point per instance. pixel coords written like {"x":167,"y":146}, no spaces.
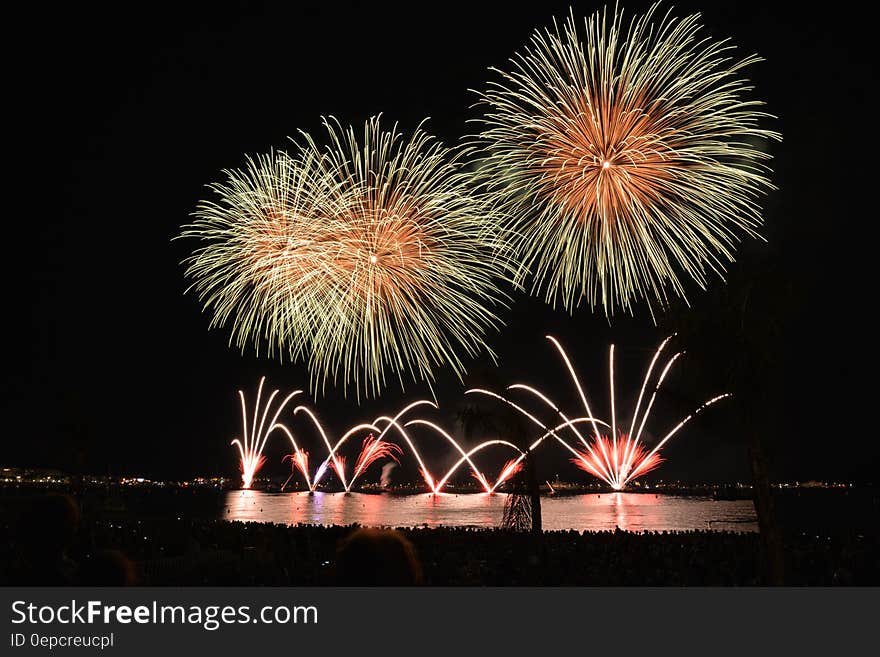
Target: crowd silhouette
{"x":47,"y":543}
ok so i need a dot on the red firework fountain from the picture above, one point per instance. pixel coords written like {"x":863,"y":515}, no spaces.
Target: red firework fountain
{"x":299,"y":462}
{"x":338,"y":466}
{"x":617,"y":460}
{"x":249,"y":465}
{"x":373,"y":449}
{"x":512,"y":467}
{"x":618,"y":464}
{"x":254,"y":435}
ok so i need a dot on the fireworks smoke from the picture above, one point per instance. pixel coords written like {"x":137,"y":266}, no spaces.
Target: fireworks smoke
{"x":625,"y":155}
{"x":385,"y":478}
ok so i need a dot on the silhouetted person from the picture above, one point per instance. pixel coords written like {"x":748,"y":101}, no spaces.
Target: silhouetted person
{"x":377,"y":557}
{"x":45,"y":532}
{"x":108,"y":568}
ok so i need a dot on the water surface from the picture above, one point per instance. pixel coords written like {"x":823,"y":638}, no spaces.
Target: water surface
{"x":590,"y":511}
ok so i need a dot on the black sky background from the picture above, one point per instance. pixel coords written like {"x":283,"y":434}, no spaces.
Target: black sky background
{"x":119,"y":116}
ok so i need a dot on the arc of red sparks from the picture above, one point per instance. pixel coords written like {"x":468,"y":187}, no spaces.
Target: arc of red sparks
{"x":512,"y":467}
{"x":548,"y":434}
{"x":338,"y":466}
{"x":617,"y":460}
{"x":337,"y":462}
{"x":465,"y":456}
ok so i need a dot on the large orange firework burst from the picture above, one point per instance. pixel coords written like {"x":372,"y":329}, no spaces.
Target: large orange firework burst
{"x":370,"y":257}
{"x":625,"y":156}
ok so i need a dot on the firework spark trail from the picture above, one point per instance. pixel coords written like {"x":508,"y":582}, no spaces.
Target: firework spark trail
{"x":466,"y":458}
{"x":681,"y":424}
{"x":431,"y":481}
{"x":251,"y":444}
{"x":550,"y":432}
{"x":553,"y":432}
{"x":370,"y":259}
{"x":393,"y":422}
{"x":299,"y":462}
{"x":620,"y":459}
{"x":378,"y":449}
{"x":645,"y":384}
{"x":627,"y":158}
{"x":372,"y":450}
{"x":666,"y":369}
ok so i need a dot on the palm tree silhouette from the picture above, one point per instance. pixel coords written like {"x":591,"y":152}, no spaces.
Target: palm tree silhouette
{"x":736,"y":329}
{"x":484,"y":417}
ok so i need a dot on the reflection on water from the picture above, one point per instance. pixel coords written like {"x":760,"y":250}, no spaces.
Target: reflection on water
{"x":629,"y":511}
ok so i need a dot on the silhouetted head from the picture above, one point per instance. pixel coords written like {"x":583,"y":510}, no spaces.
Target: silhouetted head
{"x":108,"y":568}
{"x":377,"y":557}
{"x":49,"y":524}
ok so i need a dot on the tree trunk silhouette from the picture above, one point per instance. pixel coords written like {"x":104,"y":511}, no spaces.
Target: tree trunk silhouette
{"x":534,"y":492}
{"x":738,"y":331}
{"x":771,"y":537}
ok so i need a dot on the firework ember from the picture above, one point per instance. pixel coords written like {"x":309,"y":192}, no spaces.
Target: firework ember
{"x":625,"y":154}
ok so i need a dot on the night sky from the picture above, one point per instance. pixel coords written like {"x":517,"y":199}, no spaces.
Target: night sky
{"x":119,"y":117}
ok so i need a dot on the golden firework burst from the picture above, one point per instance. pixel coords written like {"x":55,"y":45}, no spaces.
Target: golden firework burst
{"x":367,"y":257}
{"x":624,"y":156}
